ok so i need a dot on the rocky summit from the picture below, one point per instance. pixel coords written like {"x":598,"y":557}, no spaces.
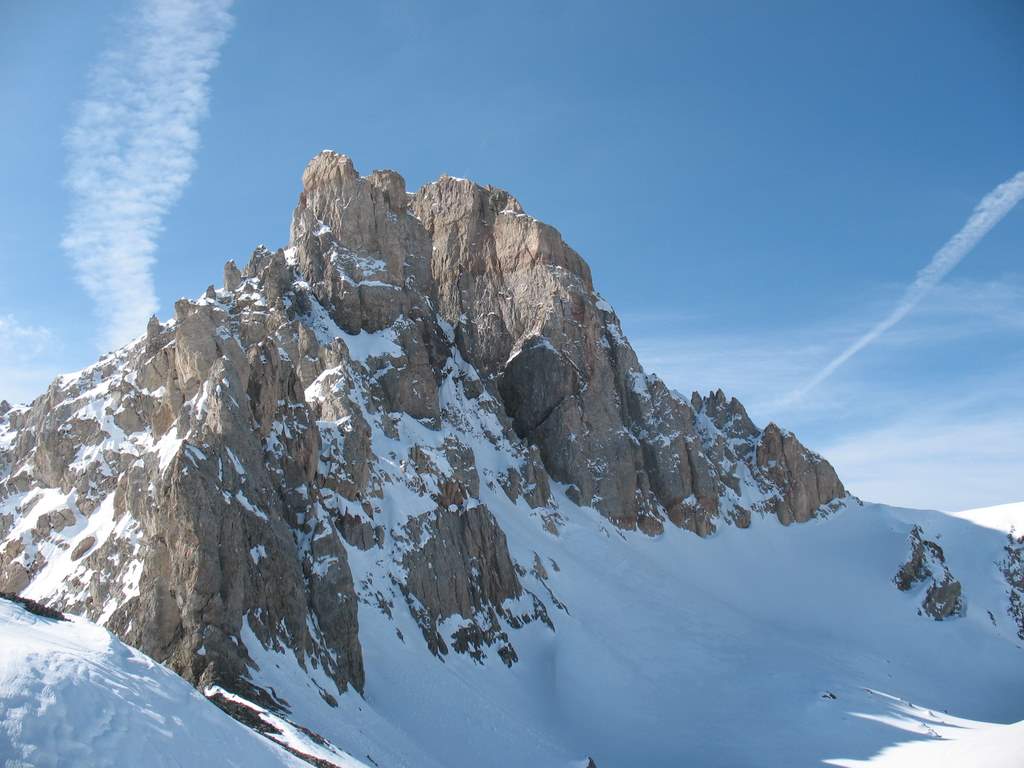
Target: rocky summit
{"x":383,"y":442}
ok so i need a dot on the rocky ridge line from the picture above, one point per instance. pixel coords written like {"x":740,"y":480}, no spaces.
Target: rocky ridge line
{"x":329,"y":432}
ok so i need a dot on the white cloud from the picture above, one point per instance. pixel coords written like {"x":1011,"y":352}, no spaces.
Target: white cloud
{"x":989,"y":212}
{"x":968,"y":306}
{"x":26,"y":359}
{"x":762,"y":367}
{"x":131,"y":152}
{"x":946,"y":439}
{"x":759,"y":369}
{"x":20,"y":341}
{"x":939,"y":458}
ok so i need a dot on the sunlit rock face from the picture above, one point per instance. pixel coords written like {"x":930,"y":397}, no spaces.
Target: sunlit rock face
{"x":331,"y":431}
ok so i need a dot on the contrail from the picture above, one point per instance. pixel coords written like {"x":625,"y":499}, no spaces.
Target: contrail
{"x":989,"y":212}
{"x":131,"y":151}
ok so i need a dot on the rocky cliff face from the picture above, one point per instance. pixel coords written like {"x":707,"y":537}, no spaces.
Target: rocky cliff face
{"x":1012,"y":567}
{"x":328,"y":433}
{"x":927,"y":566}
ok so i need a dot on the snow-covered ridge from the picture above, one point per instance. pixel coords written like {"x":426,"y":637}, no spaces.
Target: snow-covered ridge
{"x":73,"y":694}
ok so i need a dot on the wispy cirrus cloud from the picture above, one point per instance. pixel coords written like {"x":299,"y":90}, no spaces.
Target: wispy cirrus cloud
{"x":947,"y":455}
{"x":22,"y":341}
{"x":763,"y":366}
{"x":758,"y":368}
{"x":26,"y":358}
{"x":943,"y":438}
{"x":132,"y":151}
{"x":989,"y":212}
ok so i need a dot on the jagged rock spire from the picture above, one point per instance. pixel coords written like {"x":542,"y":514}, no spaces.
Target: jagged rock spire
{"x":407,"y":365}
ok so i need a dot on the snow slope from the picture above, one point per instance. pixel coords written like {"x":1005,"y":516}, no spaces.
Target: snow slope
{"x":670,"y":651}
{"x":725,"y":651}
{"x":952,"y":743}
{"x":1002,"y":517}
{"x":71,"y":694}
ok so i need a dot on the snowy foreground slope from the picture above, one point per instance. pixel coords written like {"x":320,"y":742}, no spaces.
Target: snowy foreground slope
{"x":720,"y":652}
{"x":953,"y":742}
{"x":71,"y":694}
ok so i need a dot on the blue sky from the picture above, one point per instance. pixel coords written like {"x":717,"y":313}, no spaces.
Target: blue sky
{"x":753,"y":187}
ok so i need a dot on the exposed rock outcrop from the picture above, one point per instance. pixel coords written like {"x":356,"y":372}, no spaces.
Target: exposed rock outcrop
{"x":525,"y":313}
{"x":808,"y":479}
{"x":1012,"y":567}
{"x":927,"y":565}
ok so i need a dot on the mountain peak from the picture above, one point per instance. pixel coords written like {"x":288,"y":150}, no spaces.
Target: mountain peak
{"x":363,"y":425}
